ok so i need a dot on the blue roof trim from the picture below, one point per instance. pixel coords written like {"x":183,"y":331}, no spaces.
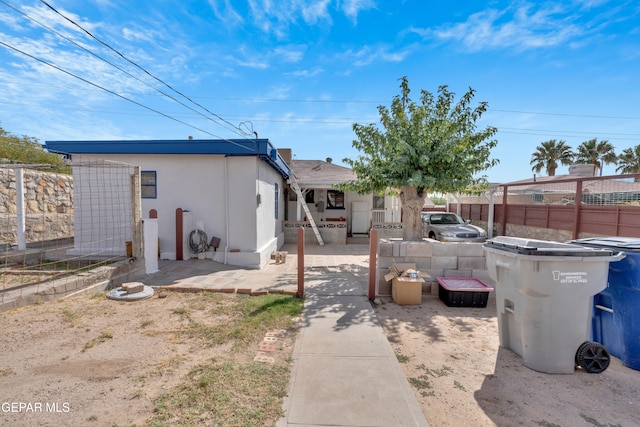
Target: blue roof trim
{"x":228,"y":147}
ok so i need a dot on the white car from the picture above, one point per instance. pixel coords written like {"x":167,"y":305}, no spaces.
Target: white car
{"x":449,"y":227}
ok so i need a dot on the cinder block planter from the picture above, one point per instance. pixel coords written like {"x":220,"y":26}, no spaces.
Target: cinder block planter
{"x":432,"y":258}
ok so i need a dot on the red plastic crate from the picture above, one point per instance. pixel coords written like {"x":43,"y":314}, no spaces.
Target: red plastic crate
{"x":463,"y":291}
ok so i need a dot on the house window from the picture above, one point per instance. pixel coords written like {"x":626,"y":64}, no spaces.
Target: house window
{"x":335,"y":199}
{"x":309,"y":197}
{"x":378,"y":202}
{"x":277,"y":203}
{"x":148,"y":185}
{"x":538,"y":198}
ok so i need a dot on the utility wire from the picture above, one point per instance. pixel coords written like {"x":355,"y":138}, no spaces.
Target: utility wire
{"x":352,"y":101}
{"x":234,"y":129}
{"x":566,"y":114}
{"x":112,"y":92}
{"x":135,"y":64}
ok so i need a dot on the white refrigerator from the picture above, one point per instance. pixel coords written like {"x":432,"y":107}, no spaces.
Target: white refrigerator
{"x":359,"y":218}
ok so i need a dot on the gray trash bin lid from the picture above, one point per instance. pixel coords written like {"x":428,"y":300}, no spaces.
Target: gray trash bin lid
{"x":527,"y":247}
{"x":627,"y":244}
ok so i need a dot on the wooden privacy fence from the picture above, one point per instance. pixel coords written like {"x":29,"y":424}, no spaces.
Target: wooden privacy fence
{"x":582,"y":205}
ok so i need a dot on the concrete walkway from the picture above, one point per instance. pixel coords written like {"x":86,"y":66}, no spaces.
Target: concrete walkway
{"x":344,"y":370}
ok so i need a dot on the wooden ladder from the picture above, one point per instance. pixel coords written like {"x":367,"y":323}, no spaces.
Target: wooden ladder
{"x":301,"y":200}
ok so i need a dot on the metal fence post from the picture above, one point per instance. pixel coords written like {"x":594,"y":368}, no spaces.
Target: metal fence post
{"x":300,"y":293}
{"x":373,"y":250}
{"x":137,"y":234}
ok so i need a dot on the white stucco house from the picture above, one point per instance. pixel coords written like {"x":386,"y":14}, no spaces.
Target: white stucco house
{"x":232,"y":190}
{"x":337,"y":214}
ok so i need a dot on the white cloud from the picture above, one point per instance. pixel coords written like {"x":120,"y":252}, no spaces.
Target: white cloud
{"x":225,"y":12}
{"x":307,"y":73}
{"x":279,"y":92}
{"x":276,"y":16}
{"x":523,"y":26}
{"x":54,"y":20}
{"x":10,"y":21}
{"x":290,"y":53}
{"x":352,"y":8}
{"x":244,"y":57}
{"x":316,"y":11}
{"x":368,"y":54}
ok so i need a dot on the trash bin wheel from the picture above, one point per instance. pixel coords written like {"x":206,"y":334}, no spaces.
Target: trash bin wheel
{"x":593,"y":357}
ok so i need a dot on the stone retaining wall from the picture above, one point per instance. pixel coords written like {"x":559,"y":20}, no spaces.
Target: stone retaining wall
{"x":433,"y":259}
{"x":48,"y":205}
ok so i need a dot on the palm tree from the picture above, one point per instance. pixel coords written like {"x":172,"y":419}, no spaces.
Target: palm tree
{"x":629,"y":161}
{"x":595,"y":153}
{"x":548,"y":154}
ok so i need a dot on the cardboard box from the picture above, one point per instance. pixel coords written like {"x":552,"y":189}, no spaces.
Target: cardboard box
{"x":405,"y":290}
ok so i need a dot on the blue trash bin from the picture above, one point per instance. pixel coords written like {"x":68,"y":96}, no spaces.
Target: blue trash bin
{"x":616,"y":311}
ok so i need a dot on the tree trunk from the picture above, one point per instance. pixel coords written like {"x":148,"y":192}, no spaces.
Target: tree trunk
{"x":412,"y":204}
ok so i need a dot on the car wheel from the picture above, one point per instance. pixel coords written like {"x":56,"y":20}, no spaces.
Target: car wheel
{"x":432,"y":235}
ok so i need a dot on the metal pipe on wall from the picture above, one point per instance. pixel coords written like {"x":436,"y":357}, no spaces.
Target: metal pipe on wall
{"x":226,"y":207}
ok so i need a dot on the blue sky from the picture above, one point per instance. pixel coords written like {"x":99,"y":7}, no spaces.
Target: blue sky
{"x":300,"y":73}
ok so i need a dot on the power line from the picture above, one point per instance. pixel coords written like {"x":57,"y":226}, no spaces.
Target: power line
{"x":513,"y":130}
{"x":350,"y":121}
{"x":566,"y":115}
{"x":355,"y":101}
{"x":566,"y":136}
{"x":108,"y":90}
{"x":136,"y":65}
{"x":122,"y":96}
{"x":112,"y":64}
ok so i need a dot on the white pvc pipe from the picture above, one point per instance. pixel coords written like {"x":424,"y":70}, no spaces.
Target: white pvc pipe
{"x":20,"y":210}
{"x":491,"y":215}
{"x":150,"y":227}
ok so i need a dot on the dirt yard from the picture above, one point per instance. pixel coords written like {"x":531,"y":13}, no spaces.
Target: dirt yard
{"x":93,"y":361}
{"x":461,"y":376}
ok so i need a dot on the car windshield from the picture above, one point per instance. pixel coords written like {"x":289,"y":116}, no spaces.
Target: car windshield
{"x":444,"y":219}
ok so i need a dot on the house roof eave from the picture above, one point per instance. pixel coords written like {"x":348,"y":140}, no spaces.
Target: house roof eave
{"x":227,"y":147}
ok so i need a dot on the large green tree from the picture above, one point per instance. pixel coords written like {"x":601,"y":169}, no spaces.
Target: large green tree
{"x":548,"y":154}
{"x":432,"y":146}
{"x":629,"y":161}
{"x":25,"y":150}
{"x":595,"y":153}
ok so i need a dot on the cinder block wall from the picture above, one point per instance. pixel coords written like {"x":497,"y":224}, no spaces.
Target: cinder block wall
{"x":333,"y":233}
{"x":433,"y":259}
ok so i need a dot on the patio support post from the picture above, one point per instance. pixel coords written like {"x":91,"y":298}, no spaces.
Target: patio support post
{"x":576,"y":212}
{"x":300,"y":293}
{"x":492,"y":212}
{"x":179,"y":236}
{"x":504,"y":210}
{"x":373,"y":250}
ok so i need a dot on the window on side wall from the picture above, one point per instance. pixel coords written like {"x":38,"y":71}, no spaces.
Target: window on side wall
{"x":148,"y":185}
